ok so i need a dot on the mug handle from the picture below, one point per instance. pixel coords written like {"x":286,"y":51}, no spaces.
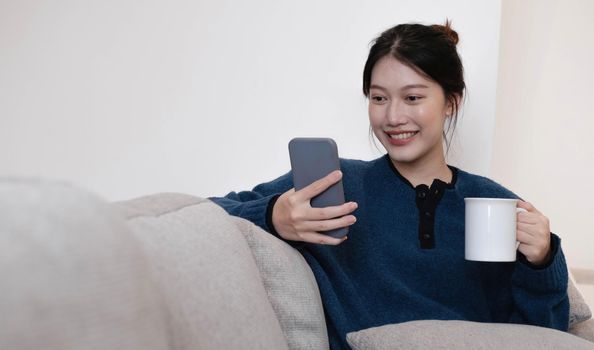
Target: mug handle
{"x":518,"y":210}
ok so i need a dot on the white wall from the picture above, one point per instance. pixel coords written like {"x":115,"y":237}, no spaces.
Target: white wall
{"x":128,"y":98}
{"x":543,"y":144}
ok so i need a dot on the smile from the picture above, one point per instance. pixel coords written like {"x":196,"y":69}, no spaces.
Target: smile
{"x":403,"y":136}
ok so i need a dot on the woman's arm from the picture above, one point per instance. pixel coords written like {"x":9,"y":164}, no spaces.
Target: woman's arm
{"x":279,"y":209}
{"x":253,"y":205}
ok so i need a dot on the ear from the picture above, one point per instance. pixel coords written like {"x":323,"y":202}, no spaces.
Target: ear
{"x":450,"y":104}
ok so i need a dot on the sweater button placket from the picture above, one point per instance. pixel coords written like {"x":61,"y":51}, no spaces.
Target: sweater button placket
{"x":427,"y":199}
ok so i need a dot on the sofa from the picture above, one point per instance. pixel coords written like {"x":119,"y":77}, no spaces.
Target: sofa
{"x":174,"y":271}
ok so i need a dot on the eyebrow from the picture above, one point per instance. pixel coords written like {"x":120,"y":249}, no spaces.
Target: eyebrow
{"x":406,"y":87}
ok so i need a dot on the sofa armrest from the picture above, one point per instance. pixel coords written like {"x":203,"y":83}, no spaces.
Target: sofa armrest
{"x":73,"y":277}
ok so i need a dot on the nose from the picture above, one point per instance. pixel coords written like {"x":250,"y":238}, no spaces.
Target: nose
{"x":396,"y":114}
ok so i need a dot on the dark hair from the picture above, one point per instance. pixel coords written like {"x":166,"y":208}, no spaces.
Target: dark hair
{"x":431,"y":51}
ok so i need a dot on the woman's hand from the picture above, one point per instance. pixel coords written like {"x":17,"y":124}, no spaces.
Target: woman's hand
{"x":534,"y":234}
{"x":295,"y":219}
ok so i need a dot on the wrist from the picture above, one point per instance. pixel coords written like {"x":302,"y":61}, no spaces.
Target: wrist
{"x":270,"y":215}
{"x":542,"y":261}
{"x":545,"y":261}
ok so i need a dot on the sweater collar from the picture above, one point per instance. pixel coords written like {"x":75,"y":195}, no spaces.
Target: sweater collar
{"x":436,"y":182}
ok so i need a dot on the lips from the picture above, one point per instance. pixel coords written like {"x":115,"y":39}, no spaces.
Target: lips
{"x":401,"y":138}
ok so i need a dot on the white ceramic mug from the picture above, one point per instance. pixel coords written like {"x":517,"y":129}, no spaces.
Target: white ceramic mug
{"x":490,"y":229}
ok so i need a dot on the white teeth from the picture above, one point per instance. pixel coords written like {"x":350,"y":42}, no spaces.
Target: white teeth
{"x":403,"y":136}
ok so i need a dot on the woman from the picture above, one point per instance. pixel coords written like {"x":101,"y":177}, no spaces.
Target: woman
{"x":404,"y":257}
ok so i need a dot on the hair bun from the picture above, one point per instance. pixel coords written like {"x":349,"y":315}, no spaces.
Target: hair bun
{"x":448,"y":31}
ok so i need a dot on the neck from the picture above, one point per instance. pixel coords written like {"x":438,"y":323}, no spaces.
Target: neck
{"x":418,"y":173}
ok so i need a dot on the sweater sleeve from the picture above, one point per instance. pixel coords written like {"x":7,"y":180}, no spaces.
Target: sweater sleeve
{"x":540,"y":293}
{"x":255,"y":205}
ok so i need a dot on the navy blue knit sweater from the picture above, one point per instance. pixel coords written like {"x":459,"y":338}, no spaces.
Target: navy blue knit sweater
{"x":404,"y":259}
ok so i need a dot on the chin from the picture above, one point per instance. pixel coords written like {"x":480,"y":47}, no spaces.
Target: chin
{"x":401,"y":157}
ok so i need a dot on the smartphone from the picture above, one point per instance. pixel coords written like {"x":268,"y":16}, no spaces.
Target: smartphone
{"x":311,"y":160}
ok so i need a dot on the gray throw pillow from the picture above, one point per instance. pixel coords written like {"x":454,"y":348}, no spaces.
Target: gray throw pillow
{"x":433,"y":334}
{"x":291,"y":287}
{"x":578,"y":309}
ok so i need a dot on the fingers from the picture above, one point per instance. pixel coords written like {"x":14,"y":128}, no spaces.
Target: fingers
{"x":331,"y":212}
{"x":327,"y":225}
{"x":294,"y":218}
{"x":528,"y":229}
{"x":531,"y":215}
{"x":531,"y":252}
{"x":534,"y":230}
{"x":533,"y":236}
{"x":533,"y":218}
{"x":528,"y":218}
{"x":319,"y":186}
{"x":528,"y":206}
{"x":319,"y":238}
{"x":526,"y":237}
{"x":534,"y":248}
{"x":533,"y":233}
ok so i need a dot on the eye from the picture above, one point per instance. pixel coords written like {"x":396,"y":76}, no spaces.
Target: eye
{"x":413,"y":98}
{"x":378,"y":99}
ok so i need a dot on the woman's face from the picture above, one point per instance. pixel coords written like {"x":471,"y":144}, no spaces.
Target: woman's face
{"x":407,"y":112}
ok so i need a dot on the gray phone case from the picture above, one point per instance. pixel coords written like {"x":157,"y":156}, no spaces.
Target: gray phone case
{"x":311,"y":160}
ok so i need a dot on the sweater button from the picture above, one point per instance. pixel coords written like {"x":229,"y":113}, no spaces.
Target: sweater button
{"x":421,"y":194}
{"x":427,"y":214}
{"x":426,"y":236}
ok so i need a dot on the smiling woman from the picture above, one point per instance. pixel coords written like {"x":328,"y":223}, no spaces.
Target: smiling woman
{"x":404,"y":259}
{"x":407,"y":112}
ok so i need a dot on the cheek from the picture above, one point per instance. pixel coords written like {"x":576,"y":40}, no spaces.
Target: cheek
{"x":375,"y":116}
{"x":431,"y":118}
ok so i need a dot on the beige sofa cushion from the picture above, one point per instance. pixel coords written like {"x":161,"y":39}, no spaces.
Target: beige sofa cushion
{"x":206,"y":272}
{"x":291,"y":287}
{"x":72,"y":276}
{"x":464,"y":335}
